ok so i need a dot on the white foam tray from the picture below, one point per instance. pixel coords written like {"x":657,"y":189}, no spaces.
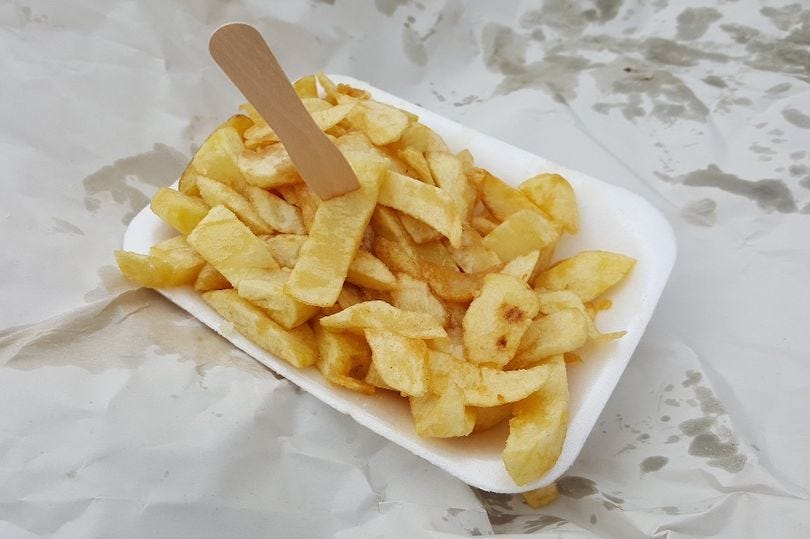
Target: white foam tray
{"x":611,"y":218}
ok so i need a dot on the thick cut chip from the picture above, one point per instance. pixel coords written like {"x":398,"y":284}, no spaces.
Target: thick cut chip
{"x":354,"y":140}
{"x":368,"y":271}
{"x":306,"y":87}
{"x":541,"y":497}
{"x":336,"y":235}
{"x":501,"y":199}
{"x":324,"y":117}
{"x":216,"y":159}
{"x":349,"y":295}
{"x":472,"y":256}
{"x":558,"y":300}
{"x":276,"y":212}
{"x":435,"y":252}
{"x":523,"y":266}
{"x":411,"y":294}
{"x":521,"y":233}
{"x":210,"y":279}
{"x":216,"y":194}
{"x":483,"y":386}
{"x":453,"y":344}
{"x":383,"y":124}
{"x":180,"y":211}
{"x":329,"y":87}
{"x":497,"y":319}
{"x":240,"y":122}
{"x":442,"y":416}
{"x":374,"y":379}
{"x":419,"y":231}
{"x":285,"y":248}
{"x":449,"y":175}
{"x":400,"y":361}
{"x":343,"y":359}
{"x":483,"y":225}
{"x":549,"y":335}
{"x":269,"y":167}
{"x":421,"y":138}
{"x":381,"y":315}
{"x":228,"y":245}
{"x":427,"y":203}
{"x":396,"y":256}
{"x":302,"y":197}
{"x":554,"y":195}
{"x":587,"y":274}
{"x":162,"y":268}
{"x":351,"y":91}
{"x":269,"y":293}
{"x":330,"y":117}
{"x":537,"y":431}
{"x":386,"y":224}
{"x":451,"y":284}
{"x":416,"y":161}
{"x":491,"y":416}
{"x":296,"y":346}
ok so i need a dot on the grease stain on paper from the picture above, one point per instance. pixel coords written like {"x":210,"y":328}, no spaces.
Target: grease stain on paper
{"x":653,"y":464}
{"x":692,"y":23}
{"x":576,"y":487}
{"x":158,"y":167}
{"x":796,"y":117}
{"x":768,"y":194}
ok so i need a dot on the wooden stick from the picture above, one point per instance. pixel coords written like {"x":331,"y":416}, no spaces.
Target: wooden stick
{"x":246,"y":59}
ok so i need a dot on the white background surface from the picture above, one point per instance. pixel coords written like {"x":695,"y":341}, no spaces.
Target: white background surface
{"x":123,"y":417}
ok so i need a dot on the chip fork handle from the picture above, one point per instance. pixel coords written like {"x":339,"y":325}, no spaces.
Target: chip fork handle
{"x":244,"y":56}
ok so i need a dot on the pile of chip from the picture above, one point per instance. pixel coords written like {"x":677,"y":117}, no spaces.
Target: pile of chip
{"x":432,"y":280}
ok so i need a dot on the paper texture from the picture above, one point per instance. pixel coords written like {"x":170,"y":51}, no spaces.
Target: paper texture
{"x":124,"y":417}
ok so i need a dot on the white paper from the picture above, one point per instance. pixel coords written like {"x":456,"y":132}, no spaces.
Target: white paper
{"x":102,"y":103}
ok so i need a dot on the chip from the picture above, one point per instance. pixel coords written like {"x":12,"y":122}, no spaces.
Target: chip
{"x":400,"y":361}
{"x":335,"y":236}
{"x":588,"y":274}
{"x":497,"y":319}
{"x":381,"y":315}
{"x":554,"y":195}
{"x":442,"y":416}
{"x":537,"y":430}
{"x":296,"y":346}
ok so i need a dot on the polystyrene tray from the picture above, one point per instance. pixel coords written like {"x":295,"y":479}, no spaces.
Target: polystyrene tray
{"x":611,"y":218}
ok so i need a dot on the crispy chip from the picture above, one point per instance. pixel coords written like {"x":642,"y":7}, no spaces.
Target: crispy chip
{"x":219,"y":194}
{"x":335,"y":236}
{"x":295,"y":346}
{"x":368,"y":271}
{"x":562,"y":331}
{"x":484,"y":386}
{"x":521,"y":233}
{"x":343,"y":359}
{"x":411,"y":294}
{"x":425,"y":202}
{"x":400,"y":361}
{"x":588,"y":274}
{"x":554,"y":195}
{"x":228,"y":245}
{"x":497,"y":319}
{"x":276,"y":212}
{"x":442,"y":416}
{"x":180,"y":211}
{"x":537,"y":431}
{"x":268,"y":167}
{"x":381,"y":315}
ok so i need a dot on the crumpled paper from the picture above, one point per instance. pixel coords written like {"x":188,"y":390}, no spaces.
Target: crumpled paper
{"x":125,"y":417}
